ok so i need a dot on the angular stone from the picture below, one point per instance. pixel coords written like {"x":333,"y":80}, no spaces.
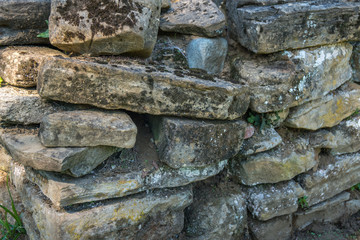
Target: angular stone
{"x":156,"y":215}
{"x":141,"y":89}
{"x":88,"y":128}
{"x":5,"y":160}
{"x":20,"y":106}
{"x":216,"y":214}
{"x":22,"y":20}
{"x":279,"y":228}
{"x":277,"y":118}
{"x":282,"y":163}
{"x":327,"y":211}
{"x":334,"y":175}
{"x":290,"y":78}
{"x":355,"y":61}
{"x":165,"y":4}
{"x":27,"y":149}
{"x":19,"y":66}
{"x":261,"y":141}
{"x":313,"y":23}
{"x":343,"y":138}
{"x":268,"y":201}
{"x":327,"y":111}
{"x":197,"y":17}
{"x":114,"y":27}
{"x":208,"y":54}
{"x":195,"y":143}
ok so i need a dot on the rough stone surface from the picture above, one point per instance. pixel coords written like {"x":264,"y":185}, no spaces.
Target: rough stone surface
{"x":355,"y":61}
{"x":141,"y":89}
{"x":268,"y":201}
{"x":327,"y":111}
{"x":216,"y":214}
{"x":114,"y":27}
{"x":88,"y":128}
{"x":19,"y":66}
{"x":284,"y":162}
{"x":334,"y":175}
{"x":279,"y":228}
{"x":165,"y":3}
{"x":207,"y":54}
{"x":289,"y":78}
{"x":5,"y":160}
{"x":313,"y":23}
{"x":22,"y":20}
{"x":261,"y":141}
{"x":196,"y":143}
{"x":27,"y":149}
{"x":21,"y":106}
{"x":197,"y":17}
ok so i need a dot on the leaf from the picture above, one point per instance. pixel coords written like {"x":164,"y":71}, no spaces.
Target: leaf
{"x":46,"y":33}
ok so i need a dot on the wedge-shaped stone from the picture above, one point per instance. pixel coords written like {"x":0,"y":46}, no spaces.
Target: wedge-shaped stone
{"x":195,"y":143}
{"x":343,"y":138}
{"x":197,"y":17}
{"x":282,"y":163}
{"x":141,"y":89}
{"x":27,"y":149}
{"x":313,"y":23}
{"x":111,"y":28}
{"x":327,"y":111}
{"x":279,"y":228}
{"x":269,"y":201}
{"x":289,"y":78}
{"x":22,"y":20}
{"x":156,"y":215}
{"x":19,"y":66}
{"x":20,"y":106}
{"x":334,"y":175}
{"x":88,"y":128}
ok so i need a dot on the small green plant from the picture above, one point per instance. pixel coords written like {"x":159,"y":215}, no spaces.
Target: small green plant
{"x":259,"y":120}
{"x":355,"y":187}
{"x":46,"y":33}
{"x":11,"y":231}
{"x":303,"y":202}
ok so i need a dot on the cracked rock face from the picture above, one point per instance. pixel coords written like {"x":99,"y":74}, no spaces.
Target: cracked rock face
{"x":99,"y":27}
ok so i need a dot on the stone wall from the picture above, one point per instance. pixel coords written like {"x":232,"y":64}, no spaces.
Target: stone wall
{"x":150,"y":119}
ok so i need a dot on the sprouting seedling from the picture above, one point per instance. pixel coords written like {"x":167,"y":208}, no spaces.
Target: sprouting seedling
{"x":303,"y":202}
{"x":46,"y":33}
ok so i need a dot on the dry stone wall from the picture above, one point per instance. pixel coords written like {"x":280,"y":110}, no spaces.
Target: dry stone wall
{"x":200,"y":119}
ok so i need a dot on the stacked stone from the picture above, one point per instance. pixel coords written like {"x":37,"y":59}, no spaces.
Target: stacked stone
{"x":86,"y":169}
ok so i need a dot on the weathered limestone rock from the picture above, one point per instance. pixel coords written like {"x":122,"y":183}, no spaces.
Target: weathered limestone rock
{"x":355,"y":61}
{"x":27,"y":149}
{"x":279,"y":228}
{"x":208,"y":54}
{"x":19,"y":66}
{"x":195,"y":143}
{"x":343,"y":138}
{"x":334,"y":175}
{"x":327,"y":111}
{"x":141,"y":89}
{"x":197,"y":17}
{"x":268,"y":201}
{"x":20,"y":106}
{"x":5,"y":160}
{"x":327,"y":211}
{"x":277,"y":118}
{"x":261,"y":141}
{"x":284,"y":162}
{"x":313,"y":23}
{"x":165,"y":3}
{"x":290,"y":78}
{"x":22,"y":20}
{"x":88,"y":128}
{"x":111,"y":28}
{"x":216,"y":214}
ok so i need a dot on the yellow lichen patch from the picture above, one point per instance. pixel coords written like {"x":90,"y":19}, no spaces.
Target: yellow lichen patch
{"x":127,"y":185}
{"x":133,"y":211}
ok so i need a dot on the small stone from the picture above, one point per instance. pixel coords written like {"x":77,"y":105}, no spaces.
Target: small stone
{"x":355,"y":61}
{"x":249,"y":131}
{"x":5,"y":160}
{"x":327,"y":111}
{"x":279,"y":228}
{"x":165,"y":4}
{"x":87,"y":129}
{"x":197,"y":17}
{"x":208,"y":54}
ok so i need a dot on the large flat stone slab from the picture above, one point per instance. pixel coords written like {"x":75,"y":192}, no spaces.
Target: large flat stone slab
{"x":141,"y":89}
{"x":27,"y":149}
{"x":313,"y":23}
{"x":22,"y":20}
{"x":327,"y":111}
{"x":106,"y":27}
{"x":19,"y":66}
{"x":290,"y":78}
{"x":196,"y":143}
{"x":88,"y":128}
